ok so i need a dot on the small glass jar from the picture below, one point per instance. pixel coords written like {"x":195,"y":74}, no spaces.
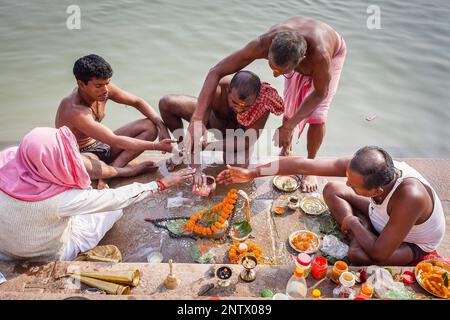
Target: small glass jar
{"x":366,"y":290}
{"x":319,"y":268}
{"x":338,"y":268}
{"x":345,"y":289}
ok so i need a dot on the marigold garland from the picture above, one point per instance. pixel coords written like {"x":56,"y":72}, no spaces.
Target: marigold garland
{"x":252,"y":249}
{"x":225,"y":208}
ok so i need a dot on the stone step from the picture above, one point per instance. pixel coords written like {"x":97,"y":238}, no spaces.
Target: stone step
{"x":46,"y":281}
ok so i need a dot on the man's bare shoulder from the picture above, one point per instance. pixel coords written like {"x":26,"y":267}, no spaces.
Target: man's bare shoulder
{"x":321,"y":59}
{"x":411,"y":193}
{"x":412,"y":189}
{"x":70,"y":110}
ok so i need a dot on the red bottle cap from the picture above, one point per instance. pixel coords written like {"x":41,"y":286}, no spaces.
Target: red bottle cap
{"x":303,"y":259}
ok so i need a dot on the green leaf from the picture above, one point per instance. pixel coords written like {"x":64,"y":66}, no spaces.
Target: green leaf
{"x":445,"y":277}
{"x":174,"y":226}
{"x":266,"y":293}
{"x":243,"y":228}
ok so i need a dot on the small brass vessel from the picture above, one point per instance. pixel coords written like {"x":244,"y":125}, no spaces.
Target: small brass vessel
{"x":249,"y":262}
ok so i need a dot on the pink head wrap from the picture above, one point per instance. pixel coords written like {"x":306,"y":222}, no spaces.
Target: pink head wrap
{"x":46,"y":163}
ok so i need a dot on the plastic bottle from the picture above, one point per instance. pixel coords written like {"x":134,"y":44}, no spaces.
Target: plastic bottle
{"x":345,"y":290}
{"x":303,"y":261}
{"x":296,"y":287}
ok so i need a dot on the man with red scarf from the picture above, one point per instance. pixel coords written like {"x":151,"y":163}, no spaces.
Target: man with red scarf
{"x":239,"y":102}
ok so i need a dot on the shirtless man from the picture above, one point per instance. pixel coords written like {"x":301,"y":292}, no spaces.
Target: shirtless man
{"x":390,"y":212}
{"x":239,"y":102}
{"x":312,"y":55}
{"x":84,"y":109}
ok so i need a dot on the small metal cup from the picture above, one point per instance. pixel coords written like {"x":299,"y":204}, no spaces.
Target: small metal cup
{"x":224,"y":274}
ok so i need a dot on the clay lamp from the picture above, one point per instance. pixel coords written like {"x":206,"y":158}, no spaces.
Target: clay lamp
{"x":293,"y":203}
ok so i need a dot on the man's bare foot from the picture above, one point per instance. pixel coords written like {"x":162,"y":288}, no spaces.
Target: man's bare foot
{"x":144,"y":167}
{"x":309,"y":184}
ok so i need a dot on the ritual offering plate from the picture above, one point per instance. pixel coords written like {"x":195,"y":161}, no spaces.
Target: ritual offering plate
{"x":433,"y":276}
{"x":304,"y":241}
{"x":313,"y":205}
{"x":286,"y":183}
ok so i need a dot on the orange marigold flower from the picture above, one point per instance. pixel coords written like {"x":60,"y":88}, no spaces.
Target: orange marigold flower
{"x":218,"y":224}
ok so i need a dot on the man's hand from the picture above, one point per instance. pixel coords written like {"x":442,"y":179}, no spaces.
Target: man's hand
{"x":199,"y":178}
{"x":165,"y":145}
{"x":282,"y":137}
{"x":346,"y":226}
{"x":193,"y":140}
{"x":163,"y":133}
{"x":234,"y":175}
{"x":178,"y":177}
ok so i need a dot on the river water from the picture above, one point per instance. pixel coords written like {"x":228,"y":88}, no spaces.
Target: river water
{"x":400,"y":72}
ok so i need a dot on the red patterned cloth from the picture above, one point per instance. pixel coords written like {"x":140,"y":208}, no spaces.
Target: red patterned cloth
{"x":268,"y":100}
{"x":436,"y":256}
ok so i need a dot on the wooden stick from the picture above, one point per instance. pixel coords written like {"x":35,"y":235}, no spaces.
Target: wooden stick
{"x":317,"y":283}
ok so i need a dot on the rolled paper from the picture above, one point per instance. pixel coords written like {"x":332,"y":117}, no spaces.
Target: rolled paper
{"x":130,"y":278}
{"x":108,"y":287}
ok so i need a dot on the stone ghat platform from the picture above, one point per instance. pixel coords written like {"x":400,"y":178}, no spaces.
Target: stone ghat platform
{"x":136,"y":238}
{"x":34,"y":281}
